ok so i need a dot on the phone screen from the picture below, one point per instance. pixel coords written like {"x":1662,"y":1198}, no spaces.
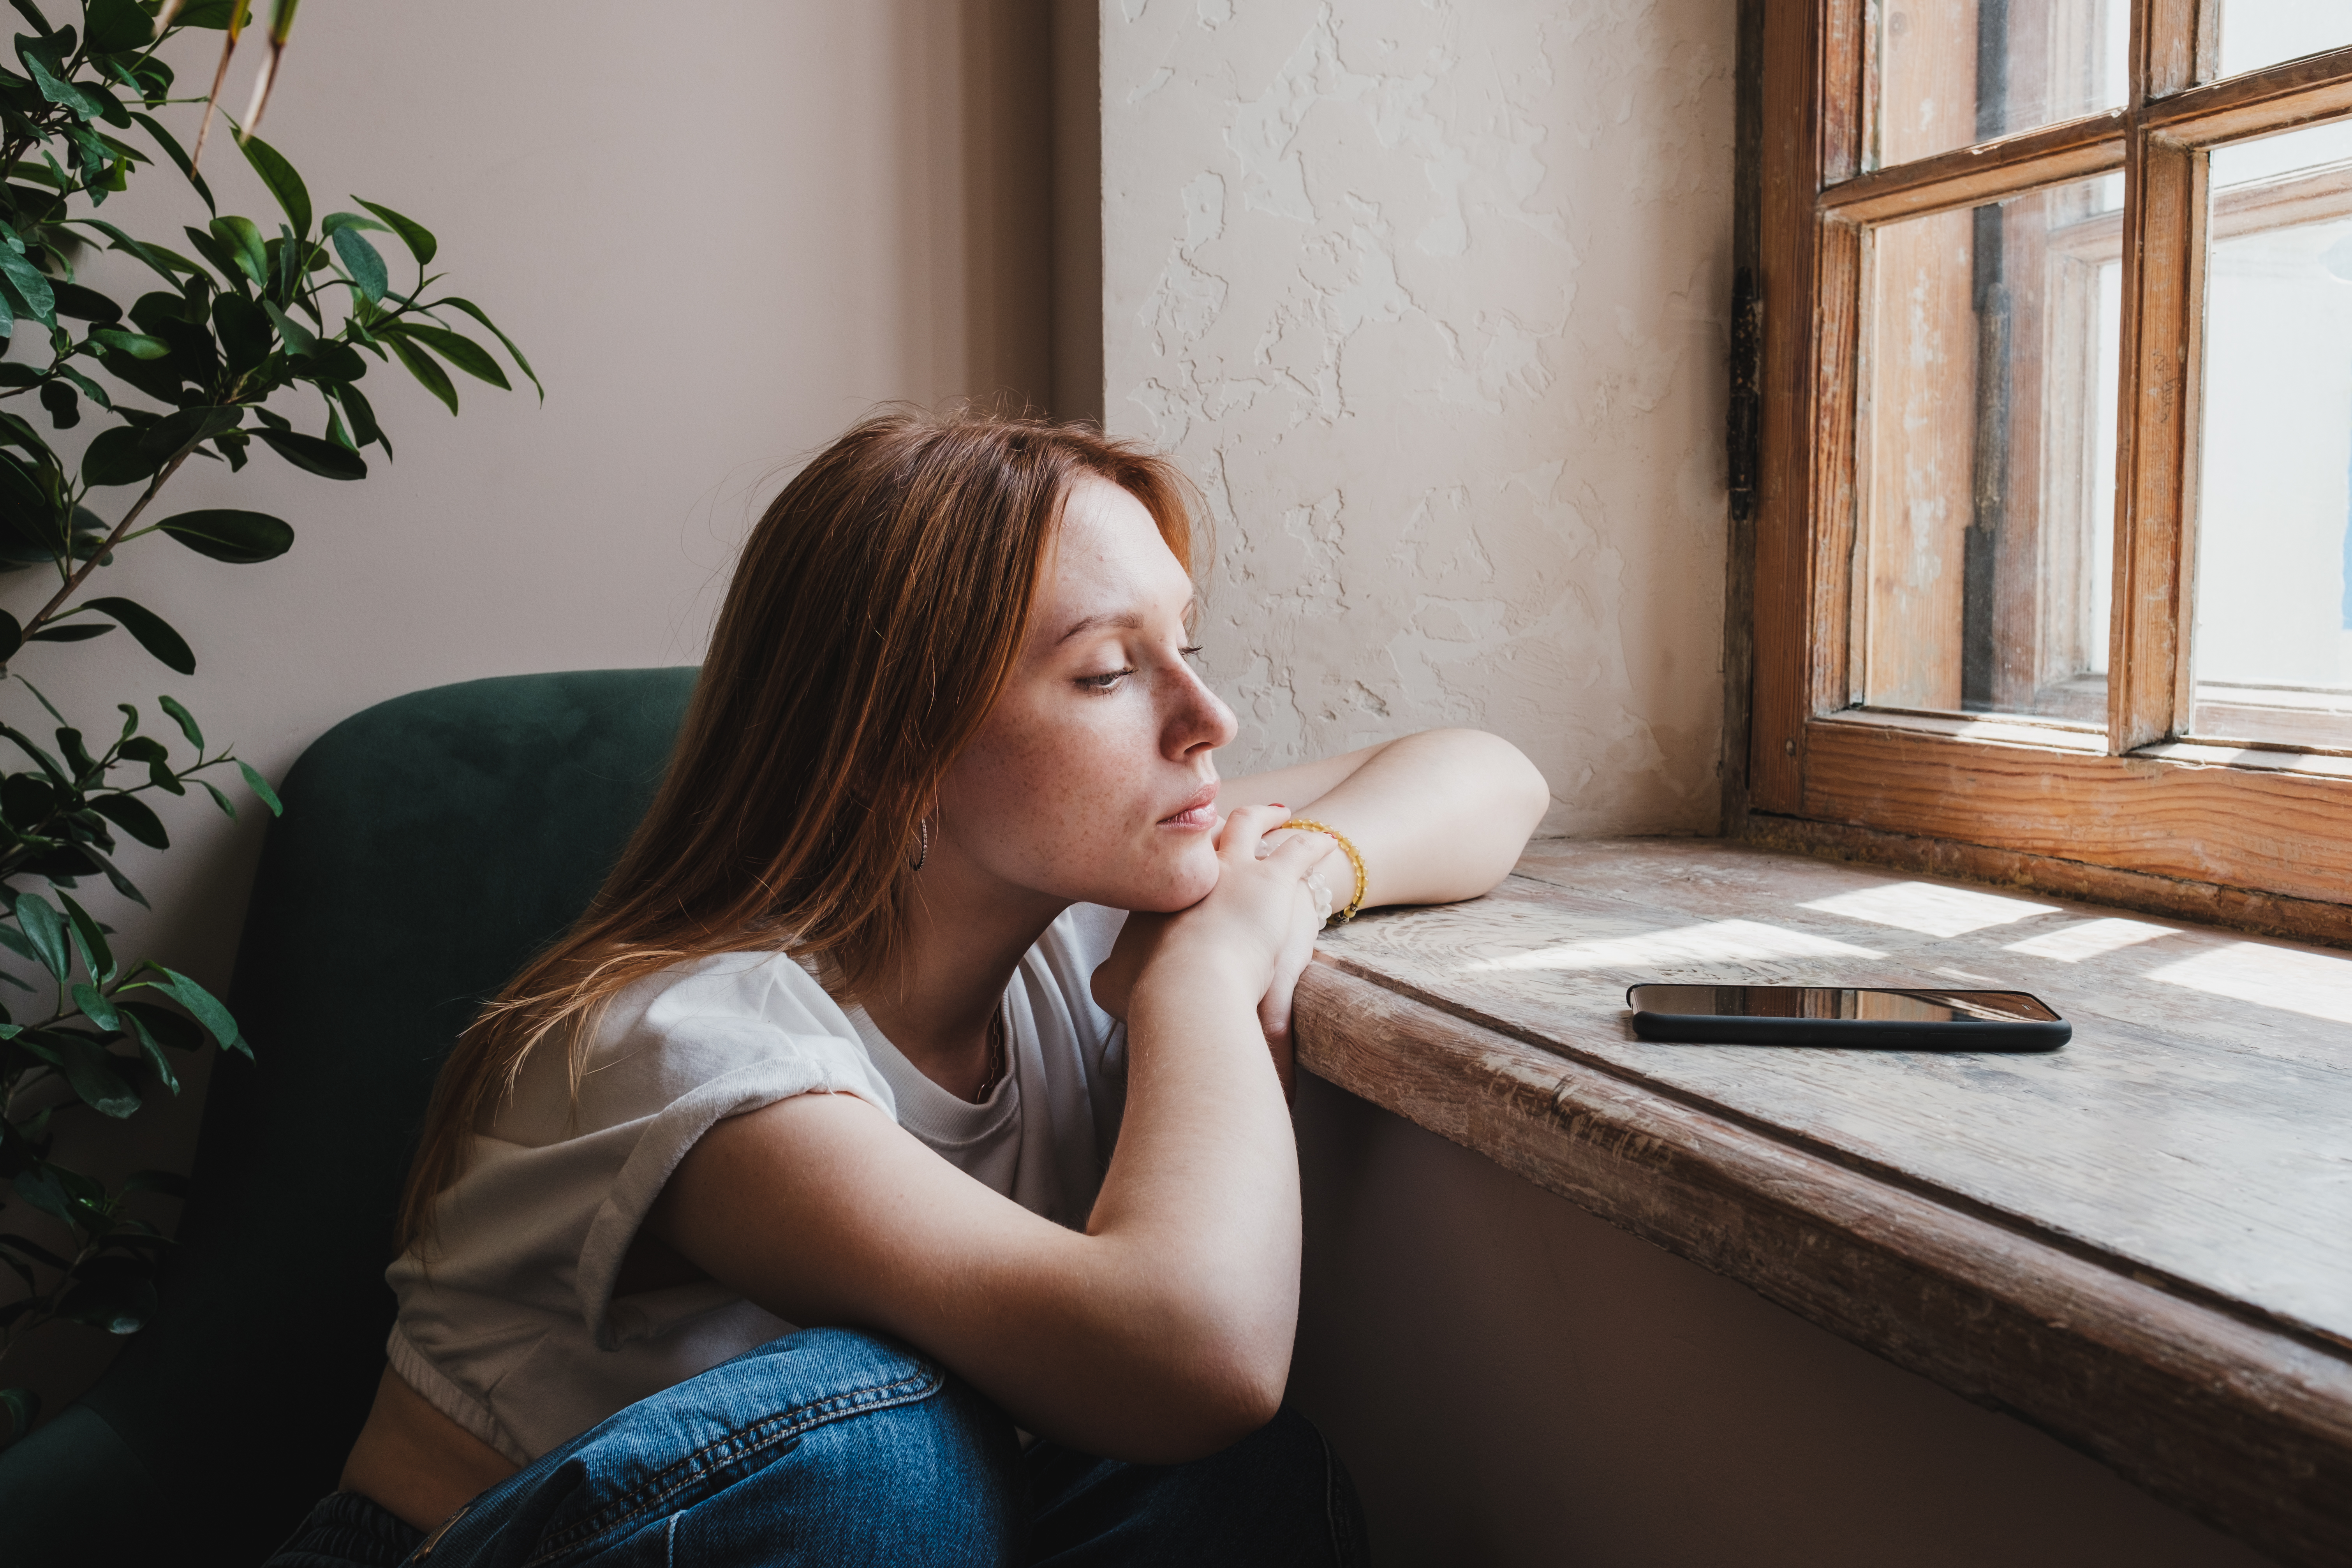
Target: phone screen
{"x":1860,"y":1004}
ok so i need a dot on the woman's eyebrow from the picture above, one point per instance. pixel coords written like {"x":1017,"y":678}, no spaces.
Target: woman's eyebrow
{"x":1126,"y":619}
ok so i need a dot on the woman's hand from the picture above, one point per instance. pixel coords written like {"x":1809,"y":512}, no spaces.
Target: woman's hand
{"x":1273,"y":899}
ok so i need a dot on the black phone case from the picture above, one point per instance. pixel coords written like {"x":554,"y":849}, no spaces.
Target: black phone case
{"x":1712,"y":1029}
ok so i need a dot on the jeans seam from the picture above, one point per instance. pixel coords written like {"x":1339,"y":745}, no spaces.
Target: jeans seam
{"x":649,"y":1495}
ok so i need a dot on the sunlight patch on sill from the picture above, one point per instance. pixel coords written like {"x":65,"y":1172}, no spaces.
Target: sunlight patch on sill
{"x":2308,"y":983}
{"x":1929,"y":908}
{"x":1717,"y":941}
{"x":2072,"y":945}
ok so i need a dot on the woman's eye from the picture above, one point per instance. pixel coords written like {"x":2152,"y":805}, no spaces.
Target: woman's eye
{"x":1193,"y":652}
{"x":1107,"y":681}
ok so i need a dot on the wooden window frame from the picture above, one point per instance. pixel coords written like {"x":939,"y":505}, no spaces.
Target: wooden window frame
{"x":2128,"y":812}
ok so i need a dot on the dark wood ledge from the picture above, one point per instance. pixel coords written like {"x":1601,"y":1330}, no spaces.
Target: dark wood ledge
{"x":2141,"y":1244}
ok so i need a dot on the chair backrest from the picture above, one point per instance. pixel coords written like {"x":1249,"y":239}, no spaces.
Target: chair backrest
{"x":430,"y":845}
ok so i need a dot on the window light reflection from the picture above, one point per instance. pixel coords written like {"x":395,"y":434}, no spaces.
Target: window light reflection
{"x":1717,"y":941}
{"x":2072,"y":945}
{"x":1928,"y":908}
{"x":2309,"y":982}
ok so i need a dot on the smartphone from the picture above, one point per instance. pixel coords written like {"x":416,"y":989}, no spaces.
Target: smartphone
{"x":1904,"y":1020}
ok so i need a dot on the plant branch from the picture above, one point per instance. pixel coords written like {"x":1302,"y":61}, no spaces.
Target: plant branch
{"x":80,"y":573}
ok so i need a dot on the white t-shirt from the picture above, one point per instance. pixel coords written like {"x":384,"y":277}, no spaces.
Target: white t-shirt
{"x":511,"y":1330}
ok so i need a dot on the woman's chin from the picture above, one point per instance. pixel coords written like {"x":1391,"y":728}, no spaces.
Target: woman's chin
{"x":1168,"y":889}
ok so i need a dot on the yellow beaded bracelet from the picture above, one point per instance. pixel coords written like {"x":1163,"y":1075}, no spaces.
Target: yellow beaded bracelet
{"x":1347,"y":848}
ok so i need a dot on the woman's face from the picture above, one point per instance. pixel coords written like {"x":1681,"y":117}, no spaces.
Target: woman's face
{"x":1091,"y":779}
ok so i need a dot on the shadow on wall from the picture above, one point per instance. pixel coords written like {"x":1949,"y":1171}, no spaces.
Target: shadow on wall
{"x":1513,"y":1381}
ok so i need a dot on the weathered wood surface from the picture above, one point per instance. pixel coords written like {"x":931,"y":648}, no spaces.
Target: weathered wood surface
{"x":2142,"y":1243}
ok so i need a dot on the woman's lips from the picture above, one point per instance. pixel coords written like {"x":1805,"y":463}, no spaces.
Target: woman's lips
{"x":1199,"y":812}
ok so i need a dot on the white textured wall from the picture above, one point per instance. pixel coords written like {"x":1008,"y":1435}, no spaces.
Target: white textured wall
{"x":1431,"y":299}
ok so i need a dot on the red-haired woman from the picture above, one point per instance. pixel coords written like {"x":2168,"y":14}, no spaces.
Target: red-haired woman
{"x":858,"y":1131}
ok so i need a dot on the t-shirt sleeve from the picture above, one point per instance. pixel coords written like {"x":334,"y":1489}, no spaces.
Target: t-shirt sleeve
{"x":699,"y":1055}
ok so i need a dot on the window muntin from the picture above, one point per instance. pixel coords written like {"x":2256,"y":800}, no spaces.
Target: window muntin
{"x":1950,"y":73}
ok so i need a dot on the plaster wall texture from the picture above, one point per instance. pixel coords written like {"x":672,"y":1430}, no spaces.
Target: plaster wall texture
{"x":1430,"y":298}
{"x":720,"y":231}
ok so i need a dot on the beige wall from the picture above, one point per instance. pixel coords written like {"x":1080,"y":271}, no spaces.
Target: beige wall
{"x":1431,"y":299}
{"x":720,"y":230}
{"x":1514,"y":1383}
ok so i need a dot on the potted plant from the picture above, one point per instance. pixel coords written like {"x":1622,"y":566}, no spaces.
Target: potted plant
{"x":239,"y":312}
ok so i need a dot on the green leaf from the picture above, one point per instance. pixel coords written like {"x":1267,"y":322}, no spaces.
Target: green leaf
{"x":297,"y":338}
{"x":68,"y":633}
{"x":154,"y":1052}
{"x":132,"y":815}
{"x":246,"y":337}
{"x":260,"y":786}
{"x":185,"y":720}
{"x":46,"y":932}
{"x":426,"y":369}
{"x":207,"y":1010}
{"x":175,"y":433}
{"x":240,"y":538}
{"x":155,"y":633}
{"x":22,"y":1406}
{"x":114,"y":1293}
{"x":138,"y":345}
{"x":283,"y":183}
{"x":91,"y":1070}
{"x":241,"y":239}
{"x":57,"y":93}
{"x":95,"y":956}
{"x":32,"y":289}
{"x":170,"y":1183}
{"x":65,"y":408}
{"x":362,"y":417}
{"x":363,"y":261}
{"x":95,"y":1007}
{"x":414,"y":235}
{"x":12,"y":636}
{"x":314,"y":454}
{"x":478,"y":314}
{"x":116,"y":27}
{"x":228,"y":808}
{"x":178,"y":154}
{"x":116,"y":458}
{"x":157,"y":258}
{"x":462,"y":351}
{"x":333,"y":221}
{"x":84,"y":304}
{"x":173,"y":1030}
{"x":212,"y":14}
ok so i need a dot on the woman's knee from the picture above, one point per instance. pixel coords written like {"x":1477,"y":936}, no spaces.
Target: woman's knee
{"x":903,"y":1464}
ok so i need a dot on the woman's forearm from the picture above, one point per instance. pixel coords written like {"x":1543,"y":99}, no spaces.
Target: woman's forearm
{"x":1437,"y":817}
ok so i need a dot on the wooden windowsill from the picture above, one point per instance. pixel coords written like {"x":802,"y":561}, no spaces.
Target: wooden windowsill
{"x":2138,"y":1243}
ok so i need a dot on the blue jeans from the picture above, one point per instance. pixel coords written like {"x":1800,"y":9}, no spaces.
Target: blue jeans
{"x":838,"y":1448}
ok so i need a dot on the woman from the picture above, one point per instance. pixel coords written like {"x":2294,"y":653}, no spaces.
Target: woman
{"x":857,"y":1038}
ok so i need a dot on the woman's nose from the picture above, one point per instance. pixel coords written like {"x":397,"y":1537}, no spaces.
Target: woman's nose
{"x":1200,"y":722}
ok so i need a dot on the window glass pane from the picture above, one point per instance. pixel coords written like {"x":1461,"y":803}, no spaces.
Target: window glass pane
{"x":1950,"y":73}
{"x":2272,"y":645}
{"x":2257,"y":33}
{"x":1987,"y":433}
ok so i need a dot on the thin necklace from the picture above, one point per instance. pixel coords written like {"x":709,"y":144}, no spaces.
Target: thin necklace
{"x":995,"y":1074}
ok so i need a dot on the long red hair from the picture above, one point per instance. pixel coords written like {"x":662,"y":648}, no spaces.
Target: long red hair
{"x":875,"y":614}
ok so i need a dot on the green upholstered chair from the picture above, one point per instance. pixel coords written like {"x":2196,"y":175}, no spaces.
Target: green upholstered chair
{"x":429,"y":845}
